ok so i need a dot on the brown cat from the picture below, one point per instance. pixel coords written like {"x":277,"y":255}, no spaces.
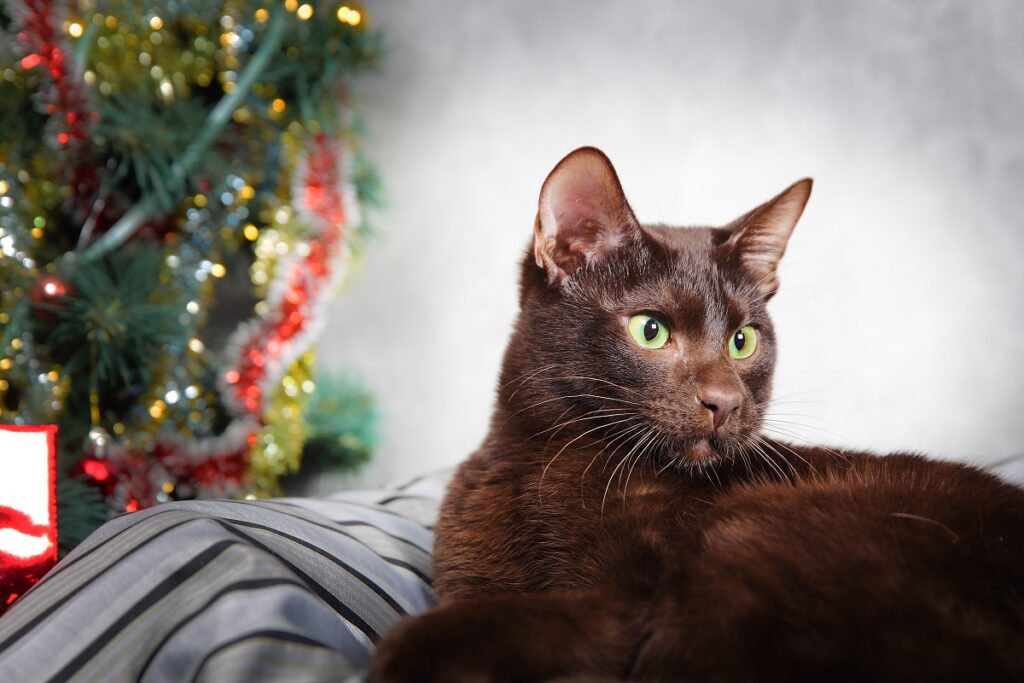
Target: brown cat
{"x":624,"y":519}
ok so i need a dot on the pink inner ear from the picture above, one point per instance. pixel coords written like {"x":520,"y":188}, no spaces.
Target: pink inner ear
{"x":581,"y":197}
{"x":761,"y":236}
{"x":582,"y":214}
{"x":574,"y":197}
{"x":573,"y":217}
{"x":578,"y":225}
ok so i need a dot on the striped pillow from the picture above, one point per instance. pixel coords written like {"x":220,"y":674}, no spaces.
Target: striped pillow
{"x":287,"y":589}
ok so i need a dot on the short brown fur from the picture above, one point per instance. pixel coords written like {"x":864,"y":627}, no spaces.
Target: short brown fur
{"x":619,"y":525}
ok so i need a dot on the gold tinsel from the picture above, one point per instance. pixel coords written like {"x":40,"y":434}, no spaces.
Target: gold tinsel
{"x":278,"y":448}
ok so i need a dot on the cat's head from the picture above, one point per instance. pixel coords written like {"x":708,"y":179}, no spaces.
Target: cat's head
{"x":652,"y":338}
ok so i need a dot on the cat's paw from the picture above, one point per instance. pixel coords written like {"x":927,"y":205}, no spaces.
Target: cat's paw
{"x":464,"y":643}
{"x":503,"y":639}
{"x":418,"y":650}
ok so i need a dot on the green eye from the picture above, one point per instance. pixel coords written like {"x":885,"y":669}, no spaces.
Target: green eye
{"x":743,"y":342}
{"x":648,"y":331}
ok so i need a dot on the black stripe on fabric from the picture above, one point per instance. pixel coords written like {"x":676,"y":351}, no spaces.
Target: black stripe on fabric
{"x":63,"y":566}
{"x":366,"y":506}
{"x":365,"y":580}
{"x":408,"y":567}
{"x":155,"y":594}
{"x":353,"y":522}
{"x":442,"y":476}
{"x":332,"y":527}
{"x":248,"y":585}
{"x":412,"y":482}
{"x":320,"y":591}
{"x":328,"y":597}
{"x":403,"y":496}
{"x":44,"y":614}
{"x":400,"y":539}
{"x":269,"y":633}
{"x":375,"y":507}
{"x":385,"y":511}
{"x":192,"y":516}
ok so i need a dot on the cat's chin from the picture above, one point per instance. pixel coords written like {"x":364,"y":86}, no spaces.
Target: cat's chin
{"x":702,"y":452}
{"x":697,"y":453}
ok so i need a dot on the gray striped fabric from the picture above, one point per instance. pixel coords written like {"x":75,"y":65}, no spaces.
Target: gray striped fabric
{"x":289,"y":589}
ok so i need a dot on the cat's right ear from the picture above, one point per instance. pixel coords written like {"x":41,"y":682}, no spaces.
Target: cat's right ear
{"x":582,"y":214}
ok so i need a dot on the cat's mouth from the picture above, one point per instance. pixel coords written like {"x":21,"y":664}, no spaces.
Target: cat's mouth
{"x":704,"y":450}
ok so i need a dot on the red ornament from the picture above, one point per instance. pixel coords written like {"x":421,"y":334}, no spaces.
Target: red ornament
{"x":101,"y":473}
{"x":47,"y":296}
{"x":96,"y":469}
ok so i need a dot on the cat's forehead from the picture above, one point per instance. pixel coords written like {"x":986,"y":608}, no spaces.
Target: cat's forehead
{"x":691,"y":257}
{"x":678,"y":273}
{"x":696,"y":240}
{"x":694,"y":277}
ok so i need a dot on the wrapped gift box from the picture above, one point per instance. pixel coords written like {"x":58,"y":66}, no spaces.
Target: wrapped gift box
{"x":28,"y":507}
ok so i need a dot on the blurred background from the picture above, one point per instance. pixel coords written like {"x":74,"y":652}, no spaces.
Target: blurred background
{"x":250,"y":248}
{"x":898,"y":316}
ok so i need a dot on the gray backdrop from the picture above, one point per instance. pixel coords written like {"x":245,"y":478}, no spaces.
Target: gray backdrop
{"x":899,"y":316}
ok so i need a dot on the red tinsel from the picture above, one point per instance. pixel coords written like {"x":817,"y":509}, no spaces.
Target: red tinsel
{"x":38,"y":30}
{"x":262,"y":348}
{"x":135,"y":480}
{"x":267,"y":345}
{"x":65,"y":101}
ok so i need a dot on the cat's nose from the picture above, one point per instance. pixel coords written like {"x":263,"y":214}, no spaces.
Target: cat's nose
{"x":720,"y":402}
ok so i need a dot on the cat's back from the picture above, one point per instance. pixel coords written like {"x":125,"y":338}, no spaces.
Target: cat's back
{"x":853,"y":567}
{"x":854,"y":571}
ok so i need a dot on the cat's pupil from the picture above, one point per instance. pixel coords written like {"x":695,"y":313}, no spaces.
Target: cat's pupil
{"x":650,"y":329}
{"x":739,"y":340}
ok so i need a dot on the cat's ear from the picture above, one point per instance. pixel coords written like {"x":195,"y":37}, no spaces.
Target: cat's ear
{"x":759,"y":238}
{"x":582,"y":214}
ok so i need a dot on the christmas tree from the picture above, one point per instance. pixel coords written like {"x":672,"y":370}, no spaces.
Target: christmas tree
{"x":180,"y":185}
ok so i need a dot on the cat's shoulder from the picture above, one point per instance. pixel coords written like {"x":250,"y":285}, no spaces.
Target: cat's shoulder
{"x":839,"y":492}
{"x":904,"y":471}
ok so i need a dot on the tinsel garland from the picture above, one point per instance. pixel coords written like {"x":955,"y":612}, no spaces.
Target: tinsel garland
{"x":281,"y":178}
{"x":63,"y":100}
{"x":37,"y":25}
{"x":262,"y":349}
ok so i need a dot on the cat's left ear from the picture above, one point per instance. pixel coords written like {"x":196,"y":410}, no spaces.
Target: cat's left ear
{"x":759,"y":238}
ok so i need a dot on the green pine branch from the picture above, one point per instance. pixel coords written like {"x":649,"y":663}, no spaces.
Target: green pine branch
{"x":190,"y":157}
{"x":111,"y":330}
